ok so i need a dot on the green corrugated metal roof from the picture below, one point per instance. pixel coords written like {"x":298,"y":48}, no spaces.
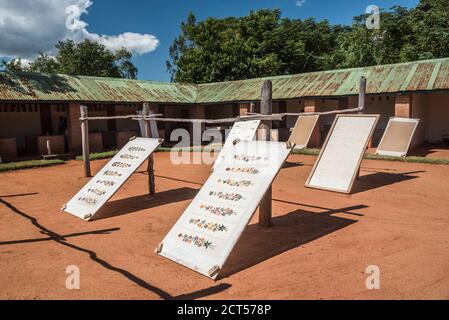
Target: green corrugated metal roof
{"x":404,"y":77}
{"x":33,"y":86}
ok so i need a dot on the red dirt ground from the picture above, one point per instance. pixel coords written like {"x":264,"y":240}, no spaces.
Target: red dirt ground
{"x":319,"y":247}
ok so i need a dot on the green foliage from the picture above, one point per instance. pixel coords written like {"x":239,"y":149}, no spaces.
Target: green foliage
{"x":266,"y":44}
{"x":28,"y":164}
{"x":44,"y":63}
{"x":13,"y":65}
{"x":370,"y":156}
{"x":87,"y":58}
{"x":100,"y":155}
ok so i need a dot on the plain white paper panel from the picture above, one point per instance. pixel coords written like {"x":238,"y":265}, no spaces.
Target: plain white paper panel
{"x":388,"y":134}
{"x":110,"y":178}
{"x":341,"y":155}
{"x":209,"y":228}
{"x":242,"y":130}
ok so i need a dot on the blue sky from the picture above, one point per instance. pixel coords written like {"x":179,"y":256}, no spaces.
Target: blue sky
{"x":159,"y":18}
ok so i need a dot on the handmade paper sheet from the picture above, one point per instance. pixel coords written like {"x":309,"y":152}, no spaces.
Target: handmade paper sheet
{"x":397,"y":137}
{"x":242,"y":130}
{"x":86,"y":203}
{"x":340,"y":158}
{"x":303,"y":131}
{"x":207,"y":231}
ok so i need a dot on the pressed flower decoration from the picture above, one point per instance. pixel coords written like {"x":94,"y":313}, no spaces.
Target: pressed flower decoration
{"x":199,"y":242}
{"x":121,"y":165}
{"x":226,"y":196}
{"x":111,"y":173}
{"x":88,"y":200}
{"x":96,"y":191}
{"x":235,"y":183}
{"x":248,"y":170}
{"x":107,"y":183}
{"x":128,"y":157}
{"x":219,"y":211}
{"x":212,"y":226}
{"x":247,"y":158}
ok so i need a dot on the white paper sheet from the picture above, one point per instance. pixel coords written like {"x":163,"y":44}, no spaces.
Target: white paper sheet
{"x":340,"y":157}
{"x":242,"y":130}
{"x":209,"y":228}
{"x":86,"y":203}
{"x":397,"y":137}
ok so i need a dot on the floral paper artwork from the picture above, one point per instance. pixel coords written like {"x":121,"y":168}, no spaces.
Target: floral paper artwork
{"x":226,"y":196}
{"x":218,"y":211}
{"x":196,"y":241}
{"x":208,"y":230}
{"x":249,"y":158}
{"x":235,"y":183}
{"x":247,"y":170}
{"x":107,"y":183}
{"x":211,"y":226}
{"x":98,"y":190}
{"x":121,"y":165}
{"x":90,"y":201}
{"x":129,"y":157}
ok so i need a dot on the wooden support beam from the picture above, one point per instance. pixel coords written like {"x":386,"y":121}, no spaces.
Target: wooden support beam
{"x":85,"y":141}
{"x":150,"y":165}
{"x":362,"y":94}
{"x":266,"y":108}
{"x":362,"y":98}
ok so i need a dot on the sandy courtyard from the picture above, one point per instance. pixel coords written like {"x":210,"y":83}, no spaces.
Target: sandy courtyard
{"x":319,"y":247}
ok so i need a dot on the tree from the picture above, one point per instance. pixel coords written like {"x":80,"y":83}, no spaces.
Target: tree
{"x":265,"y":44}
{"x":44,"y":63}
{"x":89,"y":58}
{"x":123,"y":61}
{"x":429,"y":23}
{"x":13,"y":65}
{"x":260,"y":44}
{"x":86,"y":58}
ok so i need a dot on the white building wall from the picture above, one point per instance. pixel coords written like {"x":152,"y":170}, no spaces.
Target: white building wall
{"x":437,"y":116}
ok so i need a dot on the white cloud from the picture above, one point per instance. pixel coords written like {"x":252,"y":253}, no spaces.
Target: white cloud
{"x":138,"y":43}
{"x":300,"y":3}
{"x":30,"y":26}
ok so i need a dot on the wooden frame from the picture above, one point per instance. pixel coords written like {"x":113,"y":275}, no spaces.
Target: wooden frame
{"x":297,"y":127}
{"x":403,"y":153}
{"x":323,"y":149}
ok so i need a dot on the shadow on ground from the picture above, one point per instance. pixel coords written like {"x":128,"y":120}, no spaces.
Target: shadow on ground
{"x":381,"y":179}
{"x":288,"y":164}
{"x":289,"y":231}
{"x":61,"y":239}
{"x":134,"y":204}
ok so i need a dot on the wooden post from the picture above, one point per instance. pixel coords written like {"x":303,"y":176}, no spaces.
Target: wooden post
{"x":85,"y":141}
{"x":266,"y":108}
{"x":362,"y":94}
{"x":48,"y":145}
{"x":252,"y":107}
{"x":150,"y":166}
